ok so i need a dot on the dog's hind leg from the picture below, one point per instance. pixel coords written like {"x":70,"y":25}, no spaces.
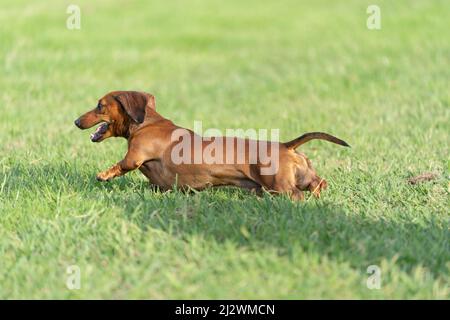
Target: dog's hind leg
{"x":284,"y":182}
{"x":297,"y":195}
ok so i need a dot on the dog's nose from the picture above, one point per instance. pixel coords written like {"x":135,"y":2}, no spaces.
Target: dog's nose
{"x":77,"y":123}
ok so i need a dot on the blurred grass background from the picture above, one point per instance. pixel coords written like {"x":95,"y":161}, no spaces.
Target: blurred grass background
{"x":294,"y":65}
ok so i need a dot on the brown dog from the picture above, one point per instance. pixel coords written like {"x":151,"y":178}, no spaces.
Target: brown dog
{"x":169,"y":155}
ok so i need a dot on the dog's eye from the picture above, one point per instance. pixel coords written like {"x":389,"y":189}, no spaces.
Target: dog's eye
{"x":99,"y":106}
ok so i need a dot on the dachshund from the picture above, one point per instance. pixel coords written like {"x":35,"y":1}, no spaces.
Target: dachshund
{"x":169,"y":155}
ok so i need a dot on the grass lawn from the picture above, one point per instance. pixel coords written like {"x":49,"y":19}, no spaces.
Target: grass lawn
{"x":289,"y":65}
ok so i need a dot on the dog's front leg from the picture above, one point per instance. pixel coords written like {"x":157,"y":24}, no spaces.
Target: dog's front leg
{"x":132,"y":161}
{"x":117,"y":170}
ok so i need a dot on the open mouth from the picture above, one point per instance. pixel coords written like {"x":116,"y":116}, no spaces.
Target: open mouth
{"x":99,"y":132}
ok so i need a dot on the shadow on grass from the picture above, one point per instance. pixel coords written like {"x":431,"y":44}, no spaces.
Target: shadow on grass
{"x":256,"y":224}
{"x":233,"y":215}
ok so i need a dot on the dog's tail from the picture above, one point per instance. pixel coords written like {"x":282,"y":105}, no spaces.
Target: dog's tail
{"x":293,"y":144}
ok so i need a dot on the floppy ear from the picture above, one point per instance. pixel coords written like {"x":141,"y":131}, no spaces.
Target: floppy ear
{"x":134,"y":103}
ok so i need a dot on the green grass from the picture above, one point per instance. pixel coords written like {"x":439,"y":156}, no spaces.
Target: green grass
{"x":232,"y":64}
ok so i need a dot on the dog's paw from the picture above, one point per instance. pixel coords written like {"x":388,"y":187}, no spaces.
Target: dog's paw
{"x":102,"y":177}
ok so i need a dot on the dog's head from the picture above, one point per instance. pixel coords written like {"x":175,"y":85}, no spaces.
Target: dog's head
{"x":115,"y":112}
